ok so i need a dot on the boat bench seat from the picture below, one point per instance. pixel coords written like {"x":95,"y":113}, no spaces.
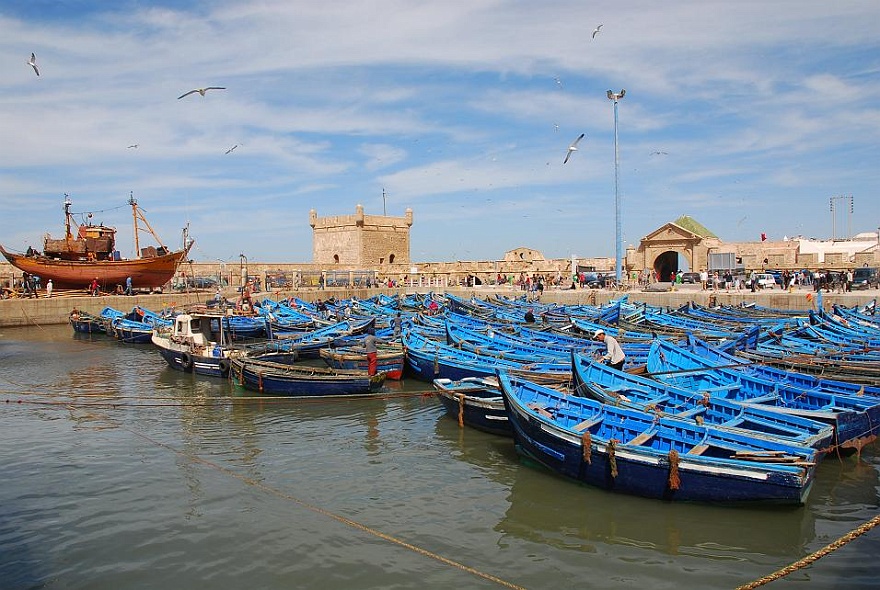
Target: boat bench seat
{"x":581,"y":426}
{"x":642,"y":438}
{"x":691,"y":413}
{"x":540,"y":409}
{"x":698,"y":449}
{"x":730,"y":387}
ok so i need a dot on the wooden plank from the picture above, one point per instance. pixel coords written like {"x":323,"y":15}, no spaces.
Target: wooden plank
{"x":642,"y":438}
{"x":581,"y":426}
{"x":698,"y":450}
{"x":541,"y":410}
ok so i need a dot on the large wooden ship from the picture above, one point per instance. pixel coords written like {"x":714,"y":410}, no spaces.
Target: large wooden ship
{"x":88,"y":252}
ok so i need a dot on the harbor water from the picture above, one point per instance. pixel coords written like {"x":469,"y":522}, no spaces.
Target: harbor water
{"x":119,"y":472}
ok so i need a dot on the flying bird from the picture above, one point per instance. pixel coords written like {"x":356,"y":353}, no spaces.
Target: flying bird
{"x":232,"y":149}
{"x":558,"y":81}
{"x":596,"y":31}
{"x":132,"y":146}
{"x":201,"y":91}
{"x":572,"y":148}
{"x":32,"y":62}
{"x":659,"y":153}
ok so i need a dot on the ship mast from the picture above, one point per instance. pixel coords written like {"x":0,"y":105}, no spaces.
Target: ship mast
{"x":67,"y":235}
{"x":134,"y":216}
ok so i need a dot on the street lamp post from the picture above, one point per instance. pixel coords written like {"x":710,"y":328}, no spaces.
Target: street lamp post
{"x":618,"y":265}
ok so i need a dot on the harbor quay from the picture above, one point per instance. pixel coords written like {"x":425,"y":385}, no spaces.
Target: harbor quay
{"x":56,"y":309}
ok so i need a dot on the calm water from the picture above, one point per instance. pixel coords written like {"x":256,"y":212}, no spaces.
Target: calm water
{"x":118,"y":472}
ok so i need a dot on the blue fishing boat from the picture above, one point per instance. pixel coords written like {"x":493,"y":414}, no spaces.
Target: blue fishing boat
{"x":86,"y":323}
{"x":856,"y":419}
{"x":390,"y":359}
{"x":634,"y":452}
{"x":300,"y":380}
{"x":717,"y":407}
{"x":475,"y":402}
{"x":429,"y":359}
{"x":716,"y":356}
{"x":291,"y":346}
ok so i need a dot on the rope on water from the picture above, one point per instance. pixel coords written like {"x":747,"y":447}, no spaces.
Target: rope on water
{"x":674,"y":481}
{"x":312,"y":507}
{"x":587,"y":442}
{"x":815,"y":556}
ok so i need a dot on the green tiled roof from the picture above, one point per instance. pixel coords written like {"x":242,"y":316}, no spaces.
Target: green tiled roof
{"x":692,"y":225}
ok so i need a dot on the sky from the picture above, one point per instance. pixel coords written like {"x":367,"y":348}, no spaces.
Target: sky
{"x":750,"y":116}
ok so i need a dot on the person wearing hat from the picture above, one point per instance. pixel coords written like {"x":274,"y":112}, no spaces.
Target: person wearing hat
{"x":614,"y":356}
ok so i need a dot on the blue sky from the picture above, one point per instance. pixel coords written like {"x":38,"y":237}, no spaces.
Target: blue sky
{"x":748,"y":116}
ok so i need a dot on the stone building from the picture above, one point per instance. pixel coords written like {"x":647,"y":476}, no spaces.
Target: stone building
{"x":685,"y":237}
{"x":660,"y":249}
{"x":360,"y":240}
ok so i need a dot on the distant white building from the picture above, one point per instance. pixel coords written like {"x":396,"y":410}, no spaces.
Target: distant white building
{"x":838,"y":251}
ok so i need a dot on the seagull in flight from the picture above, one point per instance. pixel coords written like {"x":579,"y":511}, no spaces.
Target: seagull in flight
{"x":32,"y":62}
{"x":659,"y":153}
{"x":232,"y":149}
{"x":572,"y":148}
{"x":132,"y":146}
{"x":596,"y":31}
{"x":201,"y":91}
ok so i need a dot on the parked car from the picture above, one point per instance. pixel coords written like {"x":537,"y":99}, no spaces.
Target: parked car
{"x":690,"y":277}
{"x":866,"y":278}
{"x":763,"y":280}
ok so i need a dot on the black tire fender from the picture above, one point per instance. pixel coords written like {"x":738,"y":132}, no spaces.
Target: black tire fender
{"x":186,"y":361}
{"x":224,"y":365}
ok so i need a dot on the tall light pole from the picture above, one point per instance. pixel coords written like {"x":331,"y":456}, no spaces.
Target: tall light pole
{"x":618,"y":265}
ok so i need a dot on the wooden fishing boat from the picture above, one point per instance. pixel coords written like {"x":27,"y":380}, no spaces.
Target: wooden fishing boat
{"x":88,"y":252}
{"x":629,"y":451}
{"x":475,"y":402}
{"x":390,"y":359}
{"x":300,"y":380}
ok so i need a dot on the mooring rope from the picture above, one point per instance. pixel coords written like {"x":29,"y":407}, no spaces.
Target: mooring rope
{"x":300,"y":502}
{"x":815,"y":556}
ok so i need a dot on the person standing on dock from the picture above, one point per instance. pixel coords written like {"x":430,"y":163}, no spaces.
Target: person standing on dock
{"x":128,"y":286}
{"x":49,"y":288}
{"x":614,"y":356}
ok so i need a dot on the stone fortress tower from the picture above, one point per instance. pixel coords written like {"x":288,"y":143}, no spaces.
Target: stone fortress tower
{"x":360,"y":240}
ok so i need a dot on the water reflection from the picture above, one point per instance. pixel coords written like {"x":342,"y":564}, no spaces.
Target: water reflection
{"x":546,"y":509}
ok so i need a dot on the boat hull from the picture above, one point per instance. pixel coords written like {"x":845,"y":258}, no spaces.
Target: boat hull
{"x":630,"y":469}
{"x":303,"y":381}
{"x":145,"y":273}
{"x":473,"y":404}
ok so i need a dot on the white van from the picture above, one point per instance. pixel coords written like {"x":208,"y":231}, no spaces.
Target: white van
{"x":764,"y":280}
